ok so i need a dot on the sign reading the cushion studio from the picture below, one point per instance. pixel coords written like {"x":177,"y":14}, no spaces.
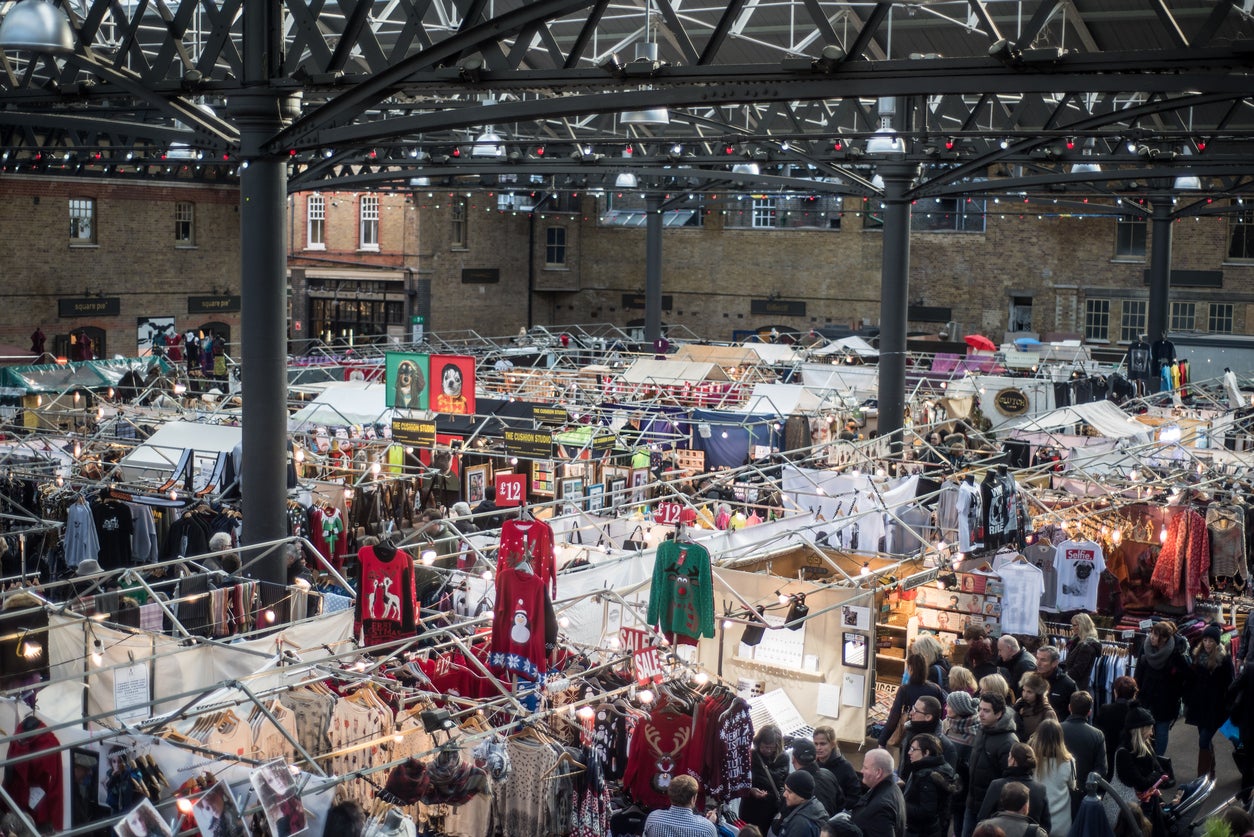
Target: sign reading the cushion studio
{"x":212,"y":304}
{"x":533,"y":444}
{"x":419,"y":434}
{"x":549,"y":414}
{"x":103,"y":306}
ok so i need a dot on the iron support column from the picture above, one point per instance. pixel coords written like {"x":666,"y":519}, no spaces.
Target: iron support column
{"x":894,"y":287}
{"x":653,"y":267}
{"x":1160,"y":267}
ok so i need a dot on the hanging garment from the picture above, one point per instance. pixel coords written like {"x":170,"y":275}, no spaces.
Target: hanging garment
{"x":518,"y":623}
{"x":114,"y":527}
{"x":143,"y":534}
{"x":970,"y":513}
{"x":37,"y":784}
{"x":1080,"y":565}
{"x":1042,"y":555}
{"x":387,"y":601}
{"x":1023,"y":586}
{"x":529,"y":542}
{"x":1226,"y":528}
{"x":1139,"y":360}
{"x":947,"y":512}
{"x":81,"y":541}
{"x":1184,"y":561}
{"x":681,"y":599}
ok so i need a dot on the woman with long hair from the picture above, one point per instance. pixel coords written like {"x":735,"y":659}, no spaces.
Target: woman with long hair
{"x":981,"y":657}
{"x":916,"y":686}
{"x":768,"y":769}
{"x":961,"y":722}
{"x":1210,"y":676}
{"x":929,"y":789}
{"x":1033,"y":708}
{"x":933,"y":654}
{"x":1083,"y":651}
{"x":1055,"y":769}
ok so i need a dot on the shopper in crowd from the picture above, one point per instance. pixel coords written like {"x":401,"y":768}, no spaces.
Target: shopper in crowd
{"x":1013,"y":819}
{"x":1056,"y":771}
{"x":492,"y":517}
{"x":831,"y":758}
{"x":1239,"y":702}
{"x":1033,"y":706}
{"x":769,"y":768}
{"x":1020,"y":767}
{"x":1245,"y":647}
{"x":345,"y":819}
{"x":1060,"y":684}
{"x":802,"y":815}
{"x":1082,"y":651}
{"x":1014,"y":661}
{"x":881,"y":810}
{"x":1112,"y":718}
{"x":925,"y":719}
{"x":826,"y":788}
{"x":962,"y":680}
{"x":929,"y":789}
{"x":1161,"y":673}
{"x":679,"y":818}
{"x":959,"y":727}
{"x":933,"y":654}
{"x":990,"y":754}
{"x":981,"y":657}
{"x":915,"y":687}
{"x":1238,"y":821}
{"x":1137,"y":765}
{"x":1085,"y":742}
{"x":1210,"y":676}
{"x":997,"y":683}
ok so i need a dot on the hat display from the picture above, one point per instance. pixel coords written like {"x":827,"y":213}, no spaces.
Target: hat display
{"x":88,"y":566}
{"x":803,"y":751}
{"x":801,"y":783}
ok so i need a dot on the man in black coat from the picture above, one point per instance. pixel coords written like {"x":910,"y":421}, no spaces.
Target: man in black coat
{"x":826,"y":789}
{"x":1085,"y":742}
{"x":1014,"y":662}
{"x":1061,"y":686}
{"x":881,"y":811}
{"x":925,"y":718}
{"x":990,"y":754}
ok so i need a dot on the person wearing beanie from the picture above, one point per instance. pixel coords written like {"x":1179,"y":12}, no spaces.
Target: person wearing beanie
{"x":802,"y":814}
{"x":1137,"y":765}
{"x":826,"y":787}
{"x":960,"y":726}
{"x":881,"y":811}
{"x":1211,"y":674}
{"x":679,"y":820}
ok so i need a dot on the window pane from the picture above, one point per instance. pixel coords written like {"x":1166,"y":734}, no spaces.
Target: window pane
{"x":555,"y":246}
{"x":1132,"y":326}
{"x":1241,"y":241}
{"x":1220,"y":320}
{"x":184,"y":222}
{"x":1183,"y":316}
{"x":1130,"y":237}
{"x":1096,"y":319}
{"x":82,"y":220}
{"x":370,"y":221}
{"x":316,"y":211}
{"x":763,"y":212}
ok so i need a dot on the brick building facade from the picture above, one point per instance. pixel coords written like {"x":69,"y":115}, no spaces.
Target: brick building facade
{"x":100,"y":256}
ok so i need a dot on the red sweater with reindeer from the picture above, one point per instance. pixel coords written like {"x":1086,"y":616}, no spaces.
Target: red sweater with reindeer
{"x":662,"y":748}
{"x":387,"y":601}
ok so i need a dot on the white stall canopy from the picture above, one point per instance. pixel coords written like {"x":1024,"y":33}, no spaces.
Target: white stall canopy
{"x":344,"y":403}
{"x":161,"y":454}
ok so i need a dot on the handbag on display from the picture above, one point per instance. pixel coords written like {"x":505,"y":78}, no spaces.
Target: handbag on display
{"x":634,"y":543}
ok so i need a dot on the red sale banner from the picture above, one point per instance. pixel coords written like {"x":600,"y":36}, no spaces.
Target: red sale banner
{"x":648,"y":665}
{"x":511,"y":489}
{"x":633,"y":639}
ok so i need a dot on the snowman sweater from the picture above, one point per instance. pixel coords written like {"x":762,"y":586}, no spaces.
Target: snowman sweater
{"x":518,"y":624}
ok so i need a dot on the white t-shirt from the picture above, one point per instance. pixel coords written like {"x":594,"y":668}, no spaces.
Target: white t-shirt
{"x":1023,"y":585}
{"x":1080,"y":565}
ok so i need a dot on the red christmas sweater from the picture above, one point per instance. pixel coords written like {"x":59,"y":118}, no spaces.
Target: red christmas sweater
{"x":518,"y":623}
{"x":387,"y":601}
{"x":529,"y":541}
{"x":661,"y":748}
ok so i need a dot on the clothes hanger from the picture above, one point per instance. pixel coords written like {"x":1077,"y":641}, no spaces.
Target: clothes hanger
{"x":563,"y":758}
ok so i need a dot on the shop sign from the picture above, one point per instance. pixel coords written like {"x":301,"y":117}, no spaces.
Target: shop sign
{"x":547,"y":414}
{"x":92,"y":306}
{"x":419,"y":434}
{"x":648,"y":665}
{"x":603,"y":444}
{"x":213,"y":304}
{"x":481,"y":275}
{"x":636,"y":302}
{"x":511,"y":489}
{"x":530,"y":444}
{"x":633,"y":639}
{"x":1011,"y":401}
{"x":668,"y":513}
{"x":778,"y":307}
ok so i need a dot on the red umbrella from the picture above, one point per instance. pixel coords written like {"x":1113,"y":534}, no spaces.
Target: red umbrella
{"x":980,"y":343}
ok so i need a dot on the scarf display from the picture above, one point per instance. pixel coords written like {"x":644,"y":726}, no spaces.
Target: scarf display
{"x":1184,"y":561}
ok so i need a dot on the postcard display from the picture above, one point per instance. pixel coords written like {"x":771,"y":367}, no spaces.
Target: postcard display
{"x":944,"y":605}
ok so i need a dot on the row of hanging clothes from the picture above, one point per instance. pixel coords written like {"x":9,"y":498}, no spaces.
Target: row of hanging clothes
{"x":1116,"y":659}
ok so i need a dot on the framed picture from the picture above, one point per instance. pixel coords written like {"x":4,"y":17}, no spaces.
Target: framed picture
{"x":857,"y":618}
{"x":639,"y":479}
{"x":276,"y":790}
{"x":570,"y":470}
{"x":572,"y":490}
{"x":616,"y":488}
{"x":853,"y":650}
{"x":542,"y":476}
{"x":217,"y":812}
{"x":596,"y":497}
{"x":476,"y":483}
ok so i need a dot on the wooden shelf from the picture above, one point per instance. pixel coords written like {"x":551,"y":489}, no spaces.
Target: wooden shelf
{"x":879,"y":656}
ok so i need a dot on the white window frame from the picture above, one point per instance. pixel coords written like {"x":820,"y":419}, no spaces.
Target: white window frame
{"x":82,"y":221}
{"x":316,"y":222}
{"x":1183,"y":316}
{"x":1097,"y":319}
{"x":184,"y":224}
{"x":368,"y":211}
{"x":765,"y":213}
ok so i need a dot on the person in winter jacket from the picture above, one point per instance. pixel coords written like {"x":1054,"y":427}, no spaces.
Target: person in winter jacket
{"x":1239,"y":703}
{"x":1033,"y":707}
{"x":916,"y":687}
{"x":925,"y":719}
{"x":1085,"y":742}
{"x":960,"y":726}
{"x":881,"y":811}
{"x":1136,"y":765}
{"x":1082,"y":651}
{"x":830,"y":758}
{"x":929,"y":789}
{"x":989,"y":754}
{"x":1020,"y":767}
{"x":1210,"y":675}
{"x":1014,"y":820}
{"x":1056,"y":771}
{"x":1014,"y":661}
{"x":933,"y":654}
{"x":1112,"y":717}
{"x":1059,"y":685}
{"x":826,"y":788}
{"x":981,"y":658}
{"x":769,"y":768}
{"x":1161,"y":673}
{"x":802,"y":814}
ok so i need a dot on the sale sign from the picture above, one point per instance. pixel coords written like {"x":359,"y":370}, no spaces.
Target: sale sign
{"x":648,"y":665}
{"x":511,"y":489}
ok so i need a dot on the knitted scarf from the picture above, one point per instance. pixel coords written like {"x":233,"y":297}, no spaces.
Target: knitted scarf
{"x":1185,"y":557}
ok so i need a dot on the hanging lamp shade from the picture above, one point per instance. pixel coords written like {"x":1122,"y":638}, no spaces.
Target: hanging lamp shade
{"x":1188,"y":182}
{"x":746,"y":168}
{"x":488,"y":144}
{"x":646,"y":53}
{"x":37,"y":26}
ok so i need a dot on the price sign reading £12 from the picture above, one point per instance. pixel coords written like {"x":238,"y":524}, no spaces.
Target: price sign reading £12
{"x":511,"y":489}
{"x":648,"y":665}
